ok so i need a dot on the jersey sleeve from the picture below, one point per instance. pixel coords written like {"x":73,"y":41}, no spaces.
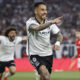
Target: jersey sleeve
{"x":2,"y":38}
{"x":30,"y":22}
{"x":18,"y":39}
{"x":54,"y":29}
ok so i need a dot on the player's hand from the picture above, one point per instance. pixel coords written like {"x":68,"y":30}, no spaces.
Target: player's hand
{"x":57,"y":20}
{"x":56,"y":47}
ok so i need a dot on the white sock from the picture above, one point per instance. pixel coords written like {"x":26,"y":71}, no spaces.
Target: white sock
{"x":37,"y":76}
{"x":7,"y":74}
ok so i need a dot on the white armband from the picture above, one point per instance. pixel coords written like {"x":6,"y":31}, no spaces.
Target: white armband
{"x":57,"y":43}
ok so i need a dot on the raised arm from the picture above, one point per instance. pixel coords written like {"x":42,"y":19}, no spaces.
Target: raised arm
{"x":45,"y":25}
{"x":20,"y":38}
{"x":24,"y":38}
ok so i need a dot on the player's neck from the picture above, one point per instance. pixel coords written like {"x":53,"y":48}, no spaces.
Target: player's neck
{"x":39,"y":20}
{"x":11,"y":40}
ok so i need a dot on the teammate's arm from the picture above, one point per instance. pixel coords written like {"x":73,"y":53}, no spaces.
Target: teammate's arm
{"x":2,"y":38}
{"x":24,"y":38}
{"x":21,"y":38}
{"x":45,"y":25}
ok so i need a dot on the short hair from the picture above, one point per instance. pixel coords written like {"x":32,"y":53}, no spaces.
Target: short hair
{"x":8,"y":29}
{"x":39,"y":3}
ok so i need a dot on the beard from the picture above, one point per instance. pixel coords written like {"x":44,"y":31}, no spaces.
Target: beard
{"x":12,"y":38}
{"x":43,"y":17}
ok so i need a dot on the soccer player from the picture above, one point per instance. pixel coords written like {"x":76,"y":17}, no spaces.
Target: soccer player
{"x":77,"y":44}
{"x":7,"y":47}
{"x":39,"y":47}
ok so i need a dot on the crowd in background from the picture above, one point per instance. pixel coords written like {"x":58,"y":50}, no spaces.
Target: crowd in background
{"x":16,"y":12}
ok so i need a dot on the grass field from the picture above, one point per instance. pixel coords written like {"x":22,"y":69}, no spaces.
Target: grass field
{"x":64,"y":75}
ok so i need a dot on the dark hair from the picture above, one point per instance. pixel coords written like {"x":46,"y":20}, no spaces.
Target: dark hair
{"x":6,"y":32}
{"x":38,"y":3}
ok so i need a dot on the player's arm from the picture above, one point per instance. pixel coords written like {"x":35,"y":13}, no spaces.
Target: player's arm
{"x":59,"y":38}
{"x":2,"y":38}
{"x":24,"y":38}
{"x":21,"y":38}
{"x":45,"y":25}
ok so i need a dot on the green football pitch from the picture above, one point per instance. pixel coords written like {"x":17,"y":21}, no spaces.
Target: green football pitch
{"x":64,"y":75}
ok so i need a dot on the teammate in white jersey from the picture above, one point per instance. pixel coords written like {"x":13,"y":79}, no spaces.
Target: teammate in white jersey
{"x":7,"y":48}
{"x":39,"y":47}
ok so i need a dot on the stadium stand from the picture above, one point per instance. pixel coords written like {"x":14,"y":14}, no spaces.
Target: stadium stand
{"x":16,"y":12}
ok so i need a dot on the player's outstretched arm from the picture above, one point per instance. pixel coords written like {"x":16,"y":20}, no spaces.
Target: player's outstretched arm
{"x":24,"y":38}
{"x":57,"y":20}
{"x":45,"y":25}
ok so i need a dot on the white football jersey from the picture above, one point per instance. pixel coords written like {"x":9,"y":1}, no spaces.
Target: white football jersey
{"x":39,"y":41}
{"x":7,"y":48}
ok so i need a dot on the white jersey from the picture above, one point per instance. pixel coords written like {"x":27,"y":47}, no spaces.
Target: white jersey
{"x":7,"y":48}
{"x":39,"y":42}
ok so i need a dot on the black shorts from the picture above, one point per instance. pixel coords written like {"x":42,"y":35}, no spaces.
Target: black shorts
{"x":6,"y":64}
{"x":37,"y":61}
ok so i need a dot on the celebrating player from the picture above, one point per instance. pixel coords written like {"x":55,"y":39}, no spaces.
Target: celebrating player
{"x":7,"y":48}
{"x":39,"y":46}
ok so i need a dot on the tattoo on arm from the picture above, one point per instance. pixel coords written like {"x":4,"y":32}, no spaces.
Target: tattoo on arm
{"x":59,"y":37}
{"x":40,"y":27}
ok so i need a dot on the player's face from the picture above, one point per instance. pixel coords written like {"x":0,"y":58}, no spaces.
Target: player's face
{"x":12,"y":35}
{"x":78,"y":34}
{"x":41,"y":12}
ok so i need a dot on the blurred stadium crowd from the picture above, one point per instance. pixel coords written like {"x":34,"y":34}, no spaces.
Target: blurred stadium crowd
{"x":16,"y":12}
